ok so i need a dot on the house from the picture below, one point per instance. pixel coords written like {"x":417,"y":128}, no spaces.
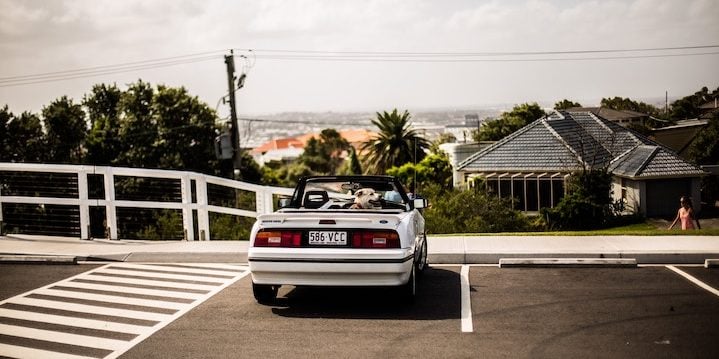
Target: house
{"x":679,"y":137}
{"x":622,"y":117}
{"x":532,"y":165}
{"x":290,"y":148}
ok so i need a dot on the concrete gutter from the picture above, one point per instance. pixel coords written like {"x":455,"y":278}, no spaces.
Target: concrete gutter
{"x":37,"y":259}
{"x":567,"y":262}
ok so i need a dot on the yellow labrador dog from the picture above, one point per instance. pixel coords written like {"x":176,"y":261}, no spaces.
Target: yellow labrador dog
{"x":367,"y":198}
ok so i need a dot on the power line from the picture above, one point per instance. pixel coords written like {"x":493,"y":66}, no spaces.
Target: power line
{"x":509,"y":53}
{"x":106,"y":70}
{"x":450,"y":60}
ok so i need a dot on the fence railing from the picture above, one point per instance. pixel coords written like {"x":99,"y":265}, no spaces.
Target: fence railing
{"x":76,"y":200}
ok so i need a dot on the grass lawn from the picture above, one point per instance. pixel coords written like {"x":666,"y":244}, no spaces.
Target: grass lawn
{"x":638,"y":229}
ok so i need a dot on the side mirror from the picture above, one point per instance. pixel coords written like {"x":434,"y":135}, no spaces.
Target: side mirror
{"x":284,"y":202}
{"x":419,"y":203}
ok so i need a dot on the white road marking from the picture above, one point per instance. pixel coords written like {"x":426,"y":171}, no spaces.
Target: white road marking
{"x":694,"y":280}
{"x":75,"y":322}
{"x":92,"y":309}
{"x":182,"y":270}
{"x":142,"y":274}
{"x":25,"y":352}
{"x":133,"y":290}
{"x":112,"y":299}
{"x":60,"y":337}
{"x":466,"y":300}
{"x":62,"y":297}
{"x":154,"y":283}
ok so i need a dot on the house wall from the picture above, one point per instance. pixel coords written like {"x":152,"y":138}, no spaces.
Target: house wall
{"x":631,"y":192}
{"x":662,"y":196}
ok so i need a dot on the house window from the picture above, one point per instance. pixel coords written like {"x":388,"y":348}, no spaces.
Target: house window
{"x":545,"y":193}
{"x":531,"y":195}
{"x":518,"y":187}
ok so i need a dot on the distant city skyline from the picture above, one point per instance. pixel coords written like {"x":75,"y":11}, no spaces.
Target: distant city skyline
{"x":361,"y":56}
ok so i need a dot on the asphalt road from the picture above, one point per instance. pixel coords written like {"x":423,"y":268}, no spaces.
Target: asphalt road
{"x":642,"y":312}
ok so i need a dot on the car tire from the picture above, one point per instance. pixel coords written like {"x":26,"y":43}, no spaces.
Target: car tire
{"x":408,"y":291}
{"x":421,"y":264}
{"x":265,"y":293}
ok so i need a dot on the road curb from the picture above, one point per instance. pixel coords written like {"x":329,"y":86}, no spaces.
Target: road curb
{"x":37,"y":259}
{"x":568,"y":262}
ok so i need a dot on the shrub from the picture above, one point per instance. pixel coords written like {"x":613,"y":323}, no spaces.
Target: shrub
{"x":456,"y":211}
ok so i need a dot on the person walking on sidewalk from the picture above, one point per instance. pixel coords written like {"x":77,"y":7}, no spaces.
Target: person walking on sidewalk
{"x":686,"y":215}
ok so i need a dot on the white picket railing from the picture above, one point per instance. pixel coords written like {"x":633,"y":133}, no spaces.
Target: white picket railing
{"x":263,"y":195}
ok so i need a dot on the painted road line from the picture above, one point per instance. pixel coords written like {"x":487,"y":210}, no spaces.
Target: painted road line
{"x":113,"y":297}
{"x":179,"y":277}
{"x":694,"y":280}
{"x":54,"y":304}
{"x":133,"y":290}
{"x":149,"y":282}
{"x":466,"y":300}
{"x":74,"y":322}
{"x":177,"y":315}
{"x":25,"y":352}
{"x":219,"y":266}
{"x":177,"y":269}
{"x":60,"y":337}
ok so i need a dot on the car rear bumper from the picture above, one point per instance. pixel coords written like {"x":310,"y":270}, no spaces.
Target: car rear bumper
{"x":327,"y":267}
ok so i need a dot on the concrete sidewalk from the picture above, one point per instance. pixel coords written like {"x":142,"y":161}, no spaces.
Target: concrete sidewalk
{"x":442,"y":249}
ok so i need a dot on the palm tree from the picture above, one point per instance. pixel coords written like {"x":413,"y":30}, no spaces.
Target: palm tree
{"x":395,"y":144}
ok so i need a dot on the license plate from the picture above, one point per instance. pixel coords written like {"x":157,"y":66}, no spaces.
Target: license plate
{"x":328,"y":238}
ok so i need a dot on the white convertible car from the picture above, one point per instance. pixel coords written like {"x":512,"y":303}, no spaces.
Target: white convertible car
{"x":340,"y":231}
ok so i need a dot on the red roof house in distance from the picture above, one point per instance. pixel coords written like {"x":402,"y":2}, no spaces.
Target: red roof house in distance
{"x":289,"y":148}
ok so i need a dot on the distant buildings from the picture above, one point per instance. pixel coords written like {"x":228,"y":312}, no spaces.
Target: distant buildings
{"x":290,"y":148}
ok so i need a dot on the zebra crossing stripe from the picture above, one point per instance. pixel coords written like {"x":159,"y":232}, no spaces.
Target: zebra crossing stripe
{"x":152,"y":283}
{"x":133,"y":290}
{"x":25,"y":352}
{"x":156,"y":294}
{"x":77,"y":322}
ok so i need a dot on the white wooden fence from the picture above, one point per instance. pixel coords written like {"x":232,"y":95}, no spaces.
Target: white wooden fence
{"x":263,"y":195}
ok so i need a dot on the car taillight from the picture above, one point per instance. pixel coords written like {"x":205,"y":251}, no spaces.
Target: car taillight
{"x":278,"y":239}
{"x":375,"y":239}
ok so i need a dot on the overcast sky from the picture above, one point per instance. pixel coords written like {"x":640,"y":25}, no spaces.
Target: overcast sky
{"x":50,"y":36}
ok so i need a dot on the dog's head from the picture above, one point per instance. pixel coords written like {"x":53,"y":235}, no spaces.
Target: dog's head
{"x":367,"y":198}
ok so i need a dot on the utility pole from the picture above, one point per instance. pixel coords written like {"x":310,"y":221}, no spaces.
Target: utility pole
{"x":234,"y":129}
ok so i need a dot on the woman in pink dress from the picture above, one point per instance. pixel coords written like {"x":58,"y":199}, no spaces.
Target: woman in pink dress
{"x":686,"y":215}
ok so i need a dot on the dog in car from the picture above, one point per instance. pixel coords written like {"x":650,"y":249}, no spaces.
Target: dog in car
{"x":366,"y":198}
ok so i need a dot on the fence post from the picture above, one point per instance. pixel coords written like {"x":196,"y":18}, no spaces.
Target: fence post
{"x":187,"y":224}
{"x":82,"y":191}
{"x":110,"y":212}
{"x":203,"y":217}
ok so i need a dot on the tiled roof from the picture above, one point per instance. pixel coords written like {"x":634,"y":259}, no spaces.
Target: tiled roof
{"x":568,"y":141}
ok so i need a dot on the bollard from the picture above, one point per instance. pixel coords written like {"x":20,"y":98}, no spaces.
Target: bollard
{"x":107,"y":232}
{"x":184,"y":235}
{"x":202,"y":235}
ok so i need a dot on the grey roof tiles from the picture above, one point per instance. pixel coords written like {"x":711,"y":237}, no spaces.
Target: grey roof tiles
{"x":569,"y":141}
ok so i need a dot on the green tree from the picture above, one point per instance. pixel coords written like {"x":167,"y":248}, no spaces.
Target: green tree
{"x":433,"y":169}
{"x":619,"y":103}
{"x":186,"y":131}
{"x":138,"y":129}
{"x":509,"y":122}
{"x":565,"y":104}
{"x":688,"y":107}
{"x":324,"y":154}
{"x":588,"y":204}
{"x":395,"y":144}
{"x":27,"y":141}
{"x":5,"y":118}
{"x":103,"y":143}
{"x":66,"y":130}
{"x":352,"y":165}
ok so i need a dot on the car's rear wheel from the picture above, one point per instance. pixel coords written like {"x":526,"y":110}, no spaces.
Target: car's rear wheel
{"x":408,"y":290}
{"x":421,"y":263}
{"x":265,"y":293}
